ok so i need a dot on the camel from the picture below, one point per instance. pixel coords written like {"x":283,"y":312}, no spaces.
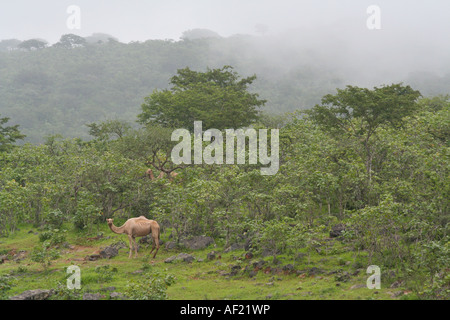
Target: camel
{"x":150,"y":175}
{"x":138,"y":227}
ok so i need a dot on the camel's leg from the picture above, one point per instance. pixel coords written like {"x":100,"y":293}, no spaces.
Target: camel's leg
{"x":130,"y":240}
{"x":135,"y":247}
{"x":155,"y":242}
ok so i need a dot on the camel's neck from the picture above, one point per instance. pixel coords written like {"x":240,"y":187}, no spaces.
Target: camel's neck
{"x":118,"y":230}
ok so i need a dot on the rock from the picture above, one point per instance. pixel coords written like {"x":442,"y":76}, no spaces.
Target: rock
{"x":171,"y":245}
{"x":314,"y":271}
{"x":397,"y":294}
{"x":336,"y":230}
{"x":342,"y":277}
{"x":116,"y":295}
{"x":93,"y":257}
{"x":198,"y":242}
{"x":259,"y":264}
{"x":182,"y":256}
{"x":109,"y":252}
{"x":235,"y":269}
{"x":211,"y":255}
{"x":234,"y":246}
{"x":170,"y":259}
{"x":396,"y":284}
{"x":3,"y":258}
{"x":92,"y":296}
{"x":37,"y":294}
{"x":19,"y":256}
{"x":358,"y":286}
{"x":185,"y":257}
{"x":288,"y":268}
{"x":252,"y":273}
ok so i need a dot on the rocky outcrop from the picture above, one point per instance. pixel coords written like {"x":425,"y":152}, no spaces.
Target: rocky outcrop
{"x":37,"y":294}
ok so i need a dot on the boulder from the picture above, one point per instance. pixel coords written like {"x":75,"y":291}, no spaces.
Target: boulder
{"x":171,"y":245}
{"x":92,"y":296}
{"x":185,"y":257}
{"x":37,"y":294}
{"x":170,"y":259}
{"x":336,"y":230}
{"x":198,"y":242}
{"x":109,"y":252}
{"x":182,"y":256}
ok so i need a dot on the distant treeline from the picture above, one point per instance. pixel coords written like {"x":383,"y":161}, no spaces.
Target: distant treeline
{"x":59,"y":88}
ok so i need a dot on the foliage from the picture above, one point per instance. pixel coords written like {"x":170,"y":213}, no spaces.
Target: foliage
{"x":216,"y":97}
{"x":8,"y":135}
{"x":44,"y":254}
{"x":153,"y":287}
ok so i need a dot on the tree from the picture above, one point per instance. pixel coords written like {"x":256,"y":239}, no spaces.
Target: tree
{"x":8,"y":135}
{"x":359,"y":112}
{"x":70,"y":41}
{"x":217,"y":97}
{"x":33,"y":44}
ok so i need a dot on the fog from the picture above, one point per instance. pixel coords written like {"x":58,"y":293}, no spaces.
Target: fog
{"x":412,"y":35}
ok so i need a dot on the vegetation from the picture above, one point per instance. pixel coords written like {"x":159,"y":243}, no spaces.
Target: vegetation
{"x":374,"y":161}
{"x":59,"y":88}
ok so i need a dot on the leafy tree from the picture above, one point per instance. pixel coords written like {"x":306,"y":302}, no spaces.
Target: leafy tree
{"x":218,"y":97}
{"x":358,"y":113}
{"x":108,"y":129}
{"x":8,"y":135}
{"x":33,"y":44}
{"x":70,"y":41}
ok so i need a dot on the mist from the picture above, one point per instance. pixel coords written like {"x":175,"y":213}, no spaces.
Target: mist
{"x":412,"y":36}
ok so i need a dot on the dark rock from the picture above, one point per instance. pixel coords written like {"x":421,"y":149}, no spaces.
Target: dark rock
{"x":92,"y":296}
{"x":259,"y":264}
{"x":37,"y":294}
{"x":185,"y":257}
{"x":396,"y":284}
{"x":211,"y":255}
{"x":336,"y":230}
{"x":109,"y":252}
{"x":171,"y":245}
{"x":342,"y":277}
{"x":19,"y":255}
{"x":252,"y":273}
{"x":93,"y":257}
{"x":288,"y":268}
{"x":358,"y":286}
{"x":170,"y":259}
{"x":116,"y":295}
{"x":234,"y":246}
{"x":248,"y":255}
{"x":198,"y":242}
{"x":314,"y":271}
{"x":235,"y":270}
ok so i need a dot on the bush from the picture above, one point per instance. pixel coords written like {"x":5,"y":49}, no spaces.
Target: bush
{"x":153,"y":287}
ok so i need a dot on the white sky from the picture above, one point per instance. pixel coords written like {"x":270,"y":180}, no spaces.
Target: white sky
{"x":139,"y":20}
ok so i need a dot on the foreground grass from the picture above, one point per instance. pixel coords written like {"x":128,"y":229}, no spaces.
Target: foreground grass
{"x":333,"y":273}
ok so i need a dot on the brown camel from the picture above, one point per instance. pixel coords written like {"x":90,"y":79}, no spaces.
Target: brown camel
{"x":138,"y":227}
{"x":150,"y":175}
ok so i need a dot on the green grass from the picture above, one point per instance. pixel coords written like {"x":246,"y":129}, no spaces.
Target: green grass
{"x":196,"y":280}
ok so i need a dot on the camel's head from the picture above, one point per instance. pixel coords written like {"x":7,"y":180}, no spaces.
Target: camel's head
{"x":109,"y":221}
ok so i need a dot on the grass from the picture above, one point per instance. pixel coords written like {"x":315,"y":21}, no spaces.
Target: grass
{"x":340,"y":272}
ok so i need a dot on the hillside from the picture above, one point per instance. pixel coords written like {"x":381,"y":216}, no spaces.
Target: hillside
{"x":59,"y":89}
